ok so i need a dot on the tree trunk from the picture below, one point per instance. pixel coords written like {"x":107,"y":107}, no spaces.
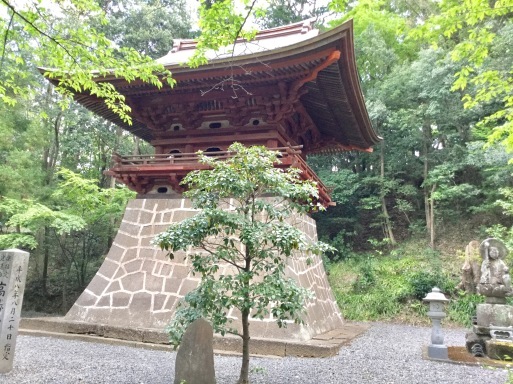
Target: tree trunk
{"x":428,"y":192}
{"x":432,"y":218}
{"x":64,"y":304}
{"x":244,"y":370}
{"x":52,"y":153}
{"x":117,"y":144}
{"x":83,"y":262}
{"x":388,"y":222}
{"x":386,"y":216}
{"x":46,"y":260}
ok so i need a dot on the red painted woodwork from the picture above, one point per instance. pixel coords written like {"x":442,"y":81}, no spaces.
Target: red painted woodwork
{"x":301,"y":91}
{"x":142,"y":173}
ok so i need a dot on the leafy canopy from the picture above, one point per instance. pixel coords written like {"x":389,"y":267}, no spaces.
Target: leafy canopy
{"x":79,"y":204}
{"x":472,"y":29}
{"x":64,"y":38}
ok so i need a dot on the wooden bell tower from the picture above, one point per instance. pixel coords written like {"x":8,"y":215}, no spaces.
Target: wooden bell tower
{"x":291,"y":90}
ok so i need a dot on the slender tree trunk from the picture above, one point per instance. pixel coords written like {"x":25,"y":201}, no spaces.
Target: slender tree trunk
{"x":64,"y":304}
{"x":357,"y":168}
{"x":432,"y":218}
{"x":52,"y":152}
{"x":83,"y":262}
{"x":46,"y":260}
{"x":388,"y":222}
{"x":426,"y":193}
{"x":244,"y":370}
{"x":117,"y":144}
{"x":428,"y":201}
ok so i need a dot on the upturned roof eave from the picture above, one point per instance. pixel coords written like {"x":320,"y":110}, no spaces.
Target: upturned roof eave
{"x":339,"y":38}
{"x":285,"y":53}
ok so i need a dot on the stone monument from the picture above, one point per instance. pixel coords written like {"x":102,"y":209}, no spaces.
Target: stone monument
{"x":493,"y":326}
{"x":471,"y":269}
{"x":13,"y":273}
{"x":195,"y":357}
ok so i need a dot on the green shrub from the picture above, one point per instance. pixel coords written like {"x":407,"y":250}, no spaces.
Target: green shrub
{"x":462,"y":307}
{"x":391,"y":287}
{"x":343,"y":250}
{"x":423,"y":282}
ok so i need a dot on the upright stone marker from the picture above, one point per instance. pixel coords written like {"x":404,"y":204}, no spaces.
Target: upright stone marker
{"x":13,"y":273}
{"x":195,"y":357}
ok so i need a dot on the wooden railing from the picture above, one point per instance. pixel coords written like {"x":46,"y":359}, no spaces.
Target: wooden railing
{"x":182,"y":163}
{"x":187,"y":158}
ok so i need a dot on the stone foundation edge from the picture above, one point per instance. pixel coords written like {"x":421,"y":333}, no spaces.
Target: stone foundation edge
{"x":324,"y":345}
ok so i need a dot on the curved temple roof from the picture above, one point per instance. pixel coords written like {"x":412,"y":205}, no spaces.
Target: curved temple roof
{"x":319,"y":68}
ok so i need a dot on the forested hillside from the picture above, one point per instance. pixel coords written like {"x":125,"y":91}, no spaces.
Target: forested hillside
{"x":438,"y":82}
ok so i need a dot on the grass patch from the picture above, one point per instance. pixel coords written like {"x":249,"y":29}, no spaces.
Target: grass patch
{"x":391,"y":286}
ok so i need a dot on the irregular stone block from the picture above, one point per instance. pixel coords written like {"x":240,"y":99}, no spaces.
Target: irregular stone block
{"x":498,"y":315}
{"x":499,"y":350}
{"x":195,"y":358}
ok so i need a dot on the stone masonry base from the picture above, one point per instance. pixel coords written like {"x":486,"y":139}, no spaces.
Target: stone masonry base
{"x":324,"y":345}
{"x":138,"y":286}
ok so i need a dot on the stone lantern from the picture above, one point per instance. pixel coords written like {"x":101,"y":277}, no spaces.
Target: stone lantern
{"x":436,"y":299}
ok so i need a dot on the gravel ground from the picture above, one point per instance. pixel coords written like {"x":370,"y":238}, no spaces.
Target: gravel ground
{"x":385,"y":354}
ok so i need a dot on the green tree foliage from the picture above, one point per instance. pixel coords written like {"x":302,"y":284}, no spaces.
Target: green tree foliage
{"x":221,"y":23}
{"x":379,"y":36}
{"x":283,"y":12}
{"x":68,"y":234}
{"x":20,"y":172}
{"x":62,"y":38}
{"x":149,"y":27}
{"x":245,"y":222}
{"x":429,"y":169}
{"x":37,"y":136}
{"x":472,"y":30}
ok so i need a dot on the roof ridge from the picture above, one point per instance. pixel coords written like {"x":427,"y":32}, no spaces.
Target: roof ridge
{"x":298,"y":28}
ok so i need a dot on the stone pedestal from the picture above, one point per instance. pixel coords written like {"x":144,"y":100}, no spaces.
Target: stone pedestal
{"x":499,"y":349}
{"x":492,"y":321}
{"x":438,"y":352}
{"x":138,"y":286}
{"x":498,"y":315}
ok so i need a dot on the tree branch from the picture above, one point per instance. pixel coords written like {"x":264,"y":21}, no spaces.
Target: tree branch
{"x":4,"y":46}
{"x":210,"y":252}
{"x":38,"y":30}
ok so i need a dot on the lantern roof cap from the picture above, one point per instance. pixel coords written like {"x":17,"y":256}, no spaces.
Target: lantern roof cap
{"x":435,"y":295}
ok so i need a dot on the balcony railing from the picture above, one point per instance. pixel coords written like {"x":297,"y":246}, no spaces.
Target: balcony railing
{"x":188,"y":158}
{"x":134,"y":169}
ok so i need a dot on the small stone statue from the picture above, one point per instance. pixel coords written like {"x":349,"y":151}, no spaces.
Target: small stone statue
{"x":495,"y":280}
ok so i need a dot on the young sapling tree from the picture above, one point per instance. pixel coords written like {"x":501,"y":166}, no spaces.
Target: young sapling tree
{"x":246,"y":208}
